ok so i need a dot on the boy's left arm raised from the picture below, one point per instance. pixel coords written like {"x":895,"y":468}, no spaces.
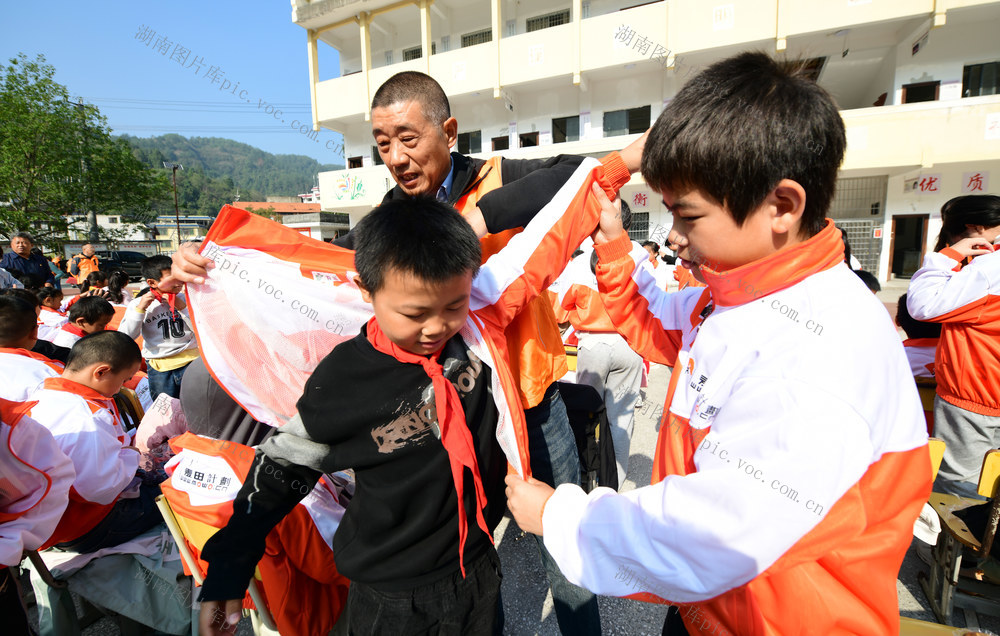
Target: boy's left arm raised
{"x":533,"y":259}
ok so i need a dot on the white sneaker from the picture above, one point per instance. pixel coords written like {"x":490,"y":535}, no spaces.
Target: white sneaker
{"x":927,"y":527}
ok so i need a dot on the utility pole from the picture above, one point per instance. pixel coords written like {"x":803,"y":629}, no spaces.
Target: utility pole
{"x":177,"y":214}
{"x":93,"y":233}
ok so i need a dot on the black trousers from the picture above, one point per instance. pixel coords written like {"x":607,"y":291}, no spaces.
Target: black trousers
{"x":11,"y":606}
{"x":450,"y":606}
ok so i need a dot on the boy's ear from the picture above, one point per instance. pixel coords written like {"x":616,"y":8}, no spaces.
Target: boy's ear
{"x":80,"y":322}
{"x":101,"y":370}
{"x":788,"y":202}
{"x":365,"y":294}
{"x":151,"y":283}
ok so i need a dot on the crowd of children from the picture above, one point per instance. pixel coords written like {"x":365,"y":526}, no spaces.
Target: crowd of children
{"x":791,"y":461}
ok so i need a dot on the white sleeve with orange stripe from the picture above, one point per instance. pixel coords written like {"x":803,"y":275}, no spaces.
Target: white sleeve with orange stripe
{"x":104,"y":467}
{"x":35,"y":477}
{"x":938,"y":293}
{"x":650,"y":319}
{"x":691,"y":538}
{"x":533,"y":259}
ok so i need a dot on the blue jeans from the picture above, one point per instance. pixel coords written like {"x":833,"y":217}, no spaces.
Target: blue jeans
{"x":168,"y":382}
{"x":126,"y":520}
{"x":555,"y":460}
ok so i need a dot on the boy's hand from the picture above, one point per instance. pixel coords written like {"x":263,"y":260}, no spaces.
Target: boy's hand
{"x":188,"y":266}
{"x":973,"y":246}
{"x":632,"y":153}
{"x":219,"y":617}
{"x":610,"y":226}
{"x":145,"y":301}
{"x":526,"y":500}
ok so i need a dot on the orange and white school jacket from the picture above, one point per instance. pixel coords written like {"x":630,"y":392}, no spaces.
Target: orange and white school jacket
{"x":35,"y":478}
{"x":67,"y":335}
{"x":537,"y":356}
{"x":921,"y":352}
{"x":49,"y":322}
{"x":791,"y":462}
{"x":23,"y":371}
{"x":304,"y":591}
{"x":584,"y":308}
{"x":87,"y":427}
{"x":966,"y":301}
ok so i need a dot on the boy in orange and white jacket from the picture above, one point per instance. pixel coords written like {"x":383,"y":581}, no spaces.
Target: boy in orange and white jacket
{"x":21,"y":370}
{"x":107,"y":506}
{"x":792,"y":457}
{"x":35,"y":478}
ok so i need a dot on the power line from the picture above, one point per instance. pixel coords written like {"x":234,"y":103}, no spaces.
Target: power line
{"x":188,"y":102}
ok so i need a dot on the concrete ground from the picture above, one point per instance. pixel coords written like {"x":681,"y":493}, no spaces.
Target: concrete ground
{"x":528,"y":605}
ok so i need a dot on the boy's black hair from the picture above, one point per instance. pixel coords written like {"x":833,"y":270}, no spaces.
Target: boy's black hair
{"x":414,"y":86}
{"x":17,"y":319}
{"x":915,"y":328}
{"x":29,"y":280}
{"x":26,"y":295}
{"x":91,"y":309}
{"x":420,"y":236}
{"x":960,"y":212}
{"x":153,"y":266}
{"x":869,"y":279}
{"x":112,"y":348}
{"x":593,"y":262}
{"x":742,"y":125}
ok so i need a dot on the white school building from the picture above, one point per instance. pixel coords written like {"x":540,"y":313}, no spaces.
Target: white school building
{"x":916,"y":81}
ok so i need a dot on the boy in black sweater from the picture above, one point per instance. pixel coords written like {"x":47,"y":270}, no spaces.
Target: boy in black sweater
{"x":414,"y":405}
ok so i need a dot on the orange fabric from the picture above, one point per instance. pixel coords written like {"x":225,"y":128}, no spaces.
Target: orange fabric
{"x":586,"y":311}
{"x":55,"y":365}
{"x":537,"y":355}
{"x":81,"y":514}
{"x":685,"y":278}
{"x":455,"y":434}
{"x":86,"y":265}
{"x":302,"y":587}
{"x":11,"y":413}
{"x":560,"y":314}
{"x":862,"y":536}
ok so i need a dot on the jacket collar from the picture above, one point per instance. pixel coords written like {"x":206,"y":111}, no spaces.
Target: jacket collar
{"x":69,"y":386}
{"x":778,"y":271}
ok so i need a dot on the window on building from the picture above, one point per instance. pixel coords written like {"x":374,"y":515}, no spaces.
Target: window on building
{"x":626,"y":122}
{"x":547,"y":20}
{"x":376,"y":158}
{"x":415,"y":53}
{"x":980,"y":79}
{"x":477,"y":37}
{"x":639,"y":230}
{"x":470,"y":142}
{"x":565,"y":129}
{"x":355,"y":162}
{"x":112,"y":220}
{"x":529,"y":139}
{"x":920,"y":92}
{"x":501,"y":143}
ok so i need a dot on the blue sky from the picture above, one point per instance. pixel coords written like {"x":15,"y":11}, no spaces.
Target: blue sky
{"x":143,"y":92}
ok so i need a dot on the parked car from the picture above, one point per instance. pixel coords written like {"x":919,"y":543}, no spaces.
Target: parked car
{"x":129,"y":262}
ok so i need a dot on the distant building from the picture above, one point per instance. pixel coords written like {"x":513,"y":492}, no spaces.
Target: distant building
{"x":191,"y":227}
{"x":916,"y":80}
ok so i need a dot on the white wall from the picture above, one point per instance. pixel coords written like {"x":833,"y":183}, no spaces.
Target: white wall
{"x":900,"y":202}
{"x":948,"y":50}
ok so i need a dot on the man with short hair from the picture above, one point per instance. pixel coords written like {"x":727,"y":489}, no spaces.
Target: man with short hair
{"x":20,"y":259}
{"x":84,"y":263}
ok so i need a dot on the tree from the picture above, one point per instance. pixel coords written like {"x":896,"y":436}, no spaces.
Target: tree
{"x":59,"y":158}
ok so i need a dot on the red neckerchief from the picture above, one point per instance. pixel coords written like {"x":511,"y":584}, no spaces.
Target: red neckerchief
{"x":170,"y":299}
{"x":455,"y":435}
{"x":73,"y":329}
